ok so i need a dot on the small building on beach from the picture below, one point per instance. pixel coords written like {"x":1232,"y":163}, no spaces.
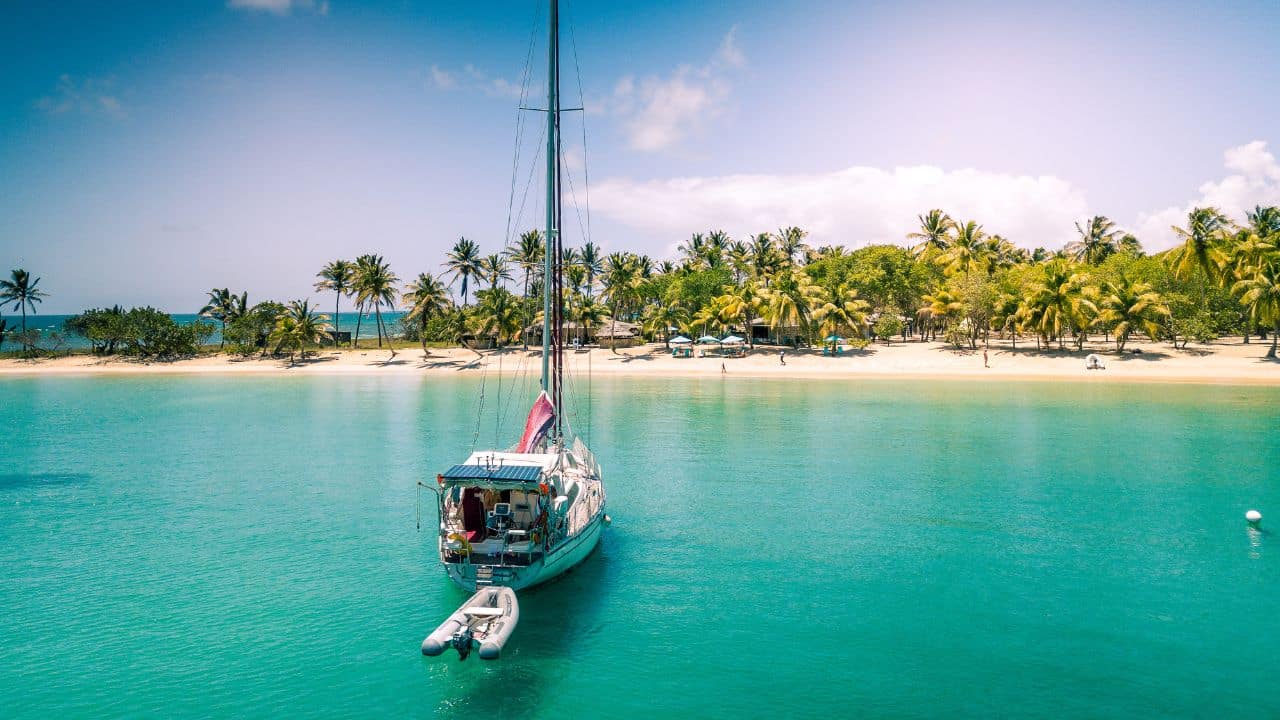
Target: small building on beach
{"x":610,"y":333}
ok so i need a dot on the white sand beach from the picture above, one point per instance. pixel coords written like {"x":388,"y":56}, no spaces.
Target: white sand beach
{"x":1228,"y":361}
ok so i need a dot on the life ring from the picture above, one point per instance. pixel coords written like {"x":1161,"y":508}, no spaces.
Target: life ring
{"x":466,"y":546}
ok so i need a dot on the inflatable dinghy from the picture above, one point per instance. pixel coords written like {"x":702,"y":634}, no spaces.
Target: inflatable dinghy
{"x":484,"y":622}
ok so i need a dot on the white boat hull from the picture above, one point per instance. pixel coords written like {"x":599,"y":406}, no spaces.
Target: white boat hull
{"x":561,"y":559}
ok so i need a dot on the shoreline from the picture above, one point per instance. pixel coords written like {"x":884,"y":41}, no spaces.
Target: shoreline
{"x":1227,"y":362}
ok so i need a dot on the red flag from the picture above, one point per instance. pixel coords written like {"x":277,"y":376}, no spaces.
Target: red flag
{"x":536,"y":426}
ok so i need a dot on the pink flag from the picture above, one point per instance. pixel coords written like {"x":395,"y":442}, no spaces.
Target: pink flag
{"x":541,"y":416}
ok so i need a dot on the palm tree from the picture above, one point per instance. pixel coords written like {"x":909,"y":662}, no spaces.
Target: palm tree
{"x":497,"y":314}
{"x":375,"y":285}
{"x":694,"y":249}
{"x":841,"y":309}
{"x":426,"y":297}
{"x":584,"y":310}
{"x":527,"y":254}
{"x":1259,"y":291}
{"x":620,"y":281}
{"x":1006,"y":316}
{"x":298,"y":328}
{"x":934,"y":234}
{"x":1001,"y":253}
{"x":463,"y":263}
{"x":766,"y":260}
{"x":742,"y":303}
{"x":659,"y":318}
{"x":789,"y":301}
{"x":1131,"y":305}
{"x":336,"y":276}
{"x":221,"y":307}
{"x":23,"y":294}
{"x":968,"y":250}
{"x":1057,"y":303}
{"x":1129,"y":244}
{"x":1099,"y":238}
{"x":792,"y":245}
{"x":493,"y":269}
{"x":1200,"y":247}
{"x":1248,"y":246}
{"x":938,"y":309}
{"x":708,"y":318}
{"x":590,"y":261}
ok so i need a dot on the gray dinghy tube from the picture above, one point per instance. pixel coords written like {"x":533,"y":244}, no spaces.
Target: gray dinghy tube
{"x":485,"y":621}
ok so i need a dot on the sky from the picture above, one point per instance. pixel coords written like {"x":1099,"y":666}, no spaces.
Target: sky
{"x":151,"y":151}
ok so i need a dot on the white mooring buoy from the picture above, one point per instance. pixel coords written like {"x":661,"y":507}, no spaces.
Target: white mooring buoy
{"x":1253,"y":516}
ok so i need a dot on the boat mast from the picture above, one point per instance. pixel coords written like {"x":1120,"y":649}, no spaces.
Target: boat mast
{"x":551,"y":311}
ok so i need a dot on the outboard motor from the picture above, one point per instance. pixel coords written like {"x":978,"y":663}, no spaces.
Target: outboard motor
{"x":462,"y":643}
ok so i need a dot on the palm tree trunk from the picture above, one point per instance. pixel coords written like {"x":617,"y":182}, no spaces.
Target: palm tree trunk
{"x":1275,"y":336}
{"x":377,"y":313}
{"x":524,"y":332}
{"x":355,"y":339}
{"x":337,"y":297}
{"x":613,"y":328}
{"x":222,"y":339}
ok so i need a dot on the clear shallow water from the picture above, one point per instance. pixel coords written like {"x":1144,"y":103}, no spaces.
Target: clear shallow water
{"x":224,"y":547}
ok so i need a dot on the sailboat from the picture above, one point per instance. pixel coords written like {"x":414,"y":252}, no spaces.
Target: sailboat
{"x":517,"y":517}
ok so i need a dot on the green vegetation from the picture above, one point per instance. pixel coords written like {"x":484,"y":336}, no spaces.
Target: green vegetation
{"x":140,"y":332}
{"x":21,"y":293}
{"x":956,"y":282}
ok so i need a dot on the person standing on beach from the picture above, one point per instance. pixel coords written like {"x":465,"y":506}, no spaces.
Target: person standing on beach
{"x":722,"y":370}
{"x":782,"y":356}
{"x":984,"y":358}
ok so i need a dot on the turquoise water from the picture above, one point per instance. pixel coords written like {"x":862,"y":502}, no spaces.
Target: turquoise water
{"x":246,"y":547}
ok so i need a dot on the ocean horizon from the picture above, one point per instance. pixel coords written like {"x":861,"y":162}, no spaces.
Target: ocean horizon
{"x":48,"y":324}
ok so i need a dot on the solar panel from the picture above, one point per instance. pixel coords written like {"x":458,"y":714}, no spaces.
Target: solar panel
{"x":502,"y":473}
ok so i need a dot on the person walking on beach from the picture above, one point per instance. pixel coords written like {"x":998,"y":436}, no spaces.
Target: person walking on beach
{"x":722,"y":370}
{"x":984,"y":358}
{"x":782,"y":356}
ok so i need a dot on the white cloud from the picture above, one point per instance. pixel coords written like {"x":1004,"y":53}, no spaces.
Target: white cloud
{"x":90,"y":96}
{"x":280,"y":7}
{"x":658,"y":112}
{"x":443,"y":79}
{"x":472,"y":78}
{"x":854,"y":207}
{"x":1255,"y":180}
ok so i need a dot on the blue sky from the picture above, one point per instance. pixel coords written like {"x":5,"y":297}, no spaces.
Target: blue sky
{"x":150,"y":151}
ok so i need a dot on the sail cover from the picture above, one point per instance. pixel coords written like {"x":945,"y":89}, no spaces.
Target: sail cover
{"x":541,"y":416}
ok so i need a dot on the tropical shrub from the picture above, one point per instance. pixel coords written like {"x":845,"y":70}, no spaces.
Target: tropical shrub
{"x":248,"y":333}
{"x":888,"y":325}
{"x":106,"y":329}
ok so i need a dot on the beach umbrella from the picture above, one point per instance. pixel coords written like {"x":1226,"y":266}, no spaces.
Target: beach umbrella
{"x":833,"y":339}
{"x":708,"y":340}
{"x":732,"y":340}
{"x":680,"y":340}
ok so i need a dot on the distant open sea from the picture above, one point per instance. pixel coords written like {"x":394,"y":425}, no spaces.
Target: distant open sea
{"x":54,"y":323}
{"x":226,"y":547}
